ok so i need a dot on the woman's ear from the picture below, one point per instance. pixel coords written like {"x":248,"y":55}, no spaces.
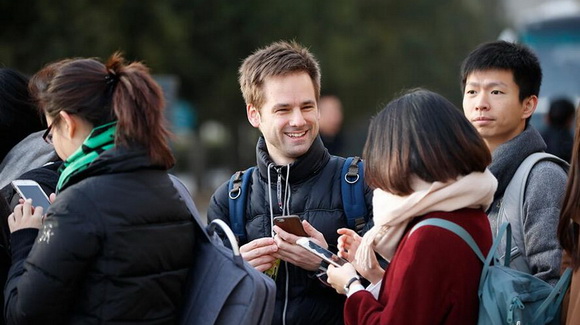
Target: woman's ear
{"x":253,"y":115}
{"x":68,"y":128}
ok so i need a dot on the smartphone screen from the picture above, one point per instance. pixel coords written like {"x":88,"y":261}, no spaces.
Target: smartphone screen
{"x":322,"y":252}
{"x":34,"y":192}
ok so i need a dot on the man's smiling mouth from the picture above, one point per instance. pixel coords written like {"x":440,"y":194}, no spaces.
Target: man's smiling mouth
{"x":296,"y":135}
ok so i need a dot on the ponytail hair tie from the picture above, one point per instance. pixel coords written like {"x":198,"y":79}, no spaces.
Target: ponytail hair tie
{"x":111,"y":78}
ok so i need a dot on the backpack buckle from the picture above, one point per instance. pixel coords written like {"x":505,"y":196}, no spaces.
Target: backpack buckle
{"x":352,"y":176}
{"x":236,"y":190}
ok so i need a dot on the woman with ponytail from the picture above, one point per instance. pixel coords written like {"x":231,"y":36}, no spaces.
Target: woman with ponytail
{"x":116,"y":244}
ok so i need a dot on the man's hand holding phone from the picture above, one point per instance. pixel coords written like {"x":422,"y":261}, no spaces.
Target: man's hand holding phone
{"x":290,"y":252}
{"x":259,"y":253}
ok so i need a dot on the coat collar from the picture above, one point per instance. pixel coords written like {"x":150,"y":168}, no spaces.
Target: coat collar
{"x":302,"y":169}
{"x":507,"y":157}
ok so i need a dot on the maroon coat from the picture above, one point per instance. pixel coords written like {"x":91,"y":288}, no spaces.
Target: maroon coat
{"x":432,"y":279}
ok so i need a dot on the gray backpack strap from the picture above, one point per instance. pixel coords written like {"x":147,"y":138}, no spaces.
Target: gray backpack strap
{"x":511,"y":209}
{"x":454,"y":228}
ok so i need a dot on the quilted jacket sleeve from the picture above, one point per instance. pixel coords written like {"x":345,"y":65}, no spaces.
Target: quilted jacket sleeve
{"x":42,"y":284}
{"x":218,"y":205}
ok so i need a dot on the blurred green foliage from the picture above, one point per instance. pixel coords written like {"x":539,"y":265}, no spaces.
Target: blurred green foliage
{"x":369,"y":49}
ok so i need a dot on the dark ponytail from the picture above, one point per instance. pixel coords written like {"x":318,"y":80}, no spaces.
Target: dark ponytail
{"x":138,"y":104}
{"x":101,"y":93}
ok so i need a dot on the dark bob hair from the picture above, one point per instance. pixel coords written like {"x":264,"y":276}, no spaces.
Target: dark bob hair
{"x":421,"y":133}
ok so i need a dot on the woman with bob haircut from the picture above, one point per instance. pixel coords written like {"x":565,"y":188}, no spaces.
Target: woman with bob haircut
{"x":424,"y":160}
{"x":117,"y":242}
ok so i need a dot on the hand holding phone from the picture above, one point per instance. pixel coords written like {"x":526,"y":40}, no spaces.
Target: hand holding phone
{"x":29,"y":189}
{"x":321,"y":252}
{"x":291,"y":224}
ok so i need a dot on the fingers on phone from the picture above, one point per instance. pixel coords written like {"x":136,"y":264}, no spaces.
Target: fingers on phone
{"x":265,"y":262}
{"x":257,"y":243}
{"x":38,"y":211}
{"x":345,"y":231}
{"x":261,"y":263}
{"x":258,"y":252}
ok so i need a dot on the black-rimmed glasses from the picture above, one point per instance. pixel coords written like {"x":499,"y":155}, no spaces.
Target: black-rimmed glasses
{"x":47,"y":135}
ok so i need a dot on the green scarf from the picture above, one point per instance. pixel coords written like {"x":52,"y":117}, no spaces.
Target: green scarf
{"x":99,"y":140}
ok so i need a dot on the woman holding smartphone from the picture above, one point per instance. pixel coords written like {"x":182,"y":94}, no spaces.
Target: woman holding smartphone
{"x":117,"y":241}
{"x":424,"y":160}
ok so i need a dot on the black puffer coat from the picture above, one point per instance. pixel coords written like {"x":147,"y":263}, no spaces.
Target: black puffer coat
{"x":115,"y":248}
{"x":316,"y":197}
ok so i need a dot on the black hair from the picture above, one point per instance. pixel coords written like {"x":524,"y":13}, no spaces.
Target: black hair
{"x":502,"y":55}
{"x":561,"y":112}
{"x":18,"y":114}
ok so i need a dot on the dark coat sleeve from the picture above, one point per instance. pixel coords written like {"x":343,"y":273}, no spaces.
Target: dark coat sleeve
{"x":219,"y":205}
{"x":42,"y":286}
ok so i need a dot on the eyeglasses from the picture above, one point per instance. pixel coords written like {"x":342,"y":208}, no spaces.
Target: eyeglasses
{"x":47,"y":136}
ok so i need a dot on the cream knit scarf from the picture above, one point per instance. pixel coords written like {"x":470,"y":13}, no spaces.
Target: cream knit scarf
{"x":392,"y":213}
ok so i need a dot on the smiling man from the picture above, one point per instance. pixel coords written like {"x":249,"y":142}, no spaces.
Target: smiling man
{"x":501,"y":82}
{"x":295,"y":175}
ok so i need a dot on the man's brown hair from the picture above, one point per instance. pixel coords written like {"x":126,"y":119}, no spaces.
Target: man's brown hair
{"x":277,"y":59}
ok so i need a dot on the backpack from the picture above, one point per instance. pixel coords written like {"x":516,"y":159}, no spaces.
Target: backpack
{"x":506,"y":295}
{"x":351,"y":188}
{"x":221,"y":287}
{"x":510,"y":209}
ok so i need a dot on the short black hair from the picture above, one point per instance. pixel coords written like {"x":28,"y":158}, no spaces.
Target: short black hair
{"x":502,"y":55}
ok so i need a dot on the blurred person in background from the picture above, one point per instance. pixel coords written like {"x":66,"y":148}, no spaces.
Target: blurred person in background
{"x":558,"y":134}
{"x":21,"y":144}
{"x":116,"y":244}
{"x":422,"y":158}
{"x":330,"y":123}
{"x":21,"y":149}
{"x":32,"y":153}
{"x":18,"y":115}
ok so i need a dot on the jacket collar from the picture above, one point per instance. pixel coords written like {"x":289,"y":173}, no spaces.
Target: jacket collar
{"x":302,"y":169}
{"x":116,"y":160}
{"x":507,"y":157}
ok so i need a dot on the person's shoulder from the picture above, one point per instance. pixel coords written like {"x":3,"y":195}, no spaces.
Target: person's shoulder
{"x":221,"y":192}
{"x":546,"y":183}
{"x":338,"y":159}
{"x":547,"y":171}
